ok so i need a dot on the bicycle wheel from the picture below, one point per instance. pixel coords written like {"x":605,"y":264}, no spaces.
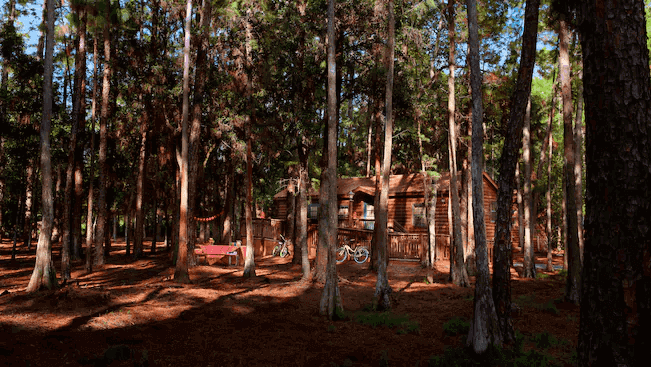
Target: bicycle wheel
{"x":276,"y":250}
{"x":361,"y":255}
{"x":284,"y":252}
{"x":342,"y":254}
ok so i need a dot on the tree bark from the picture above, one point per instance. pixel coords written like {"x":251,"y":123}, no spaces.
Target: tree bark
{"x":102,"y":209}
{"x":181,"y":274}
{"x":249,"y":262}
{"x":44,"y":274}
{"x":458,"y":271}
{"x":573,"y":285}
{"x":615,"y":325}
{"x":510,"y":152}
{"x":90,"y":233}
{"x":381,"y":297}
{"x":484,"y":327}
{"x":331,"y":304}
{"x":529,"y":265}
{"x":301,"y":213}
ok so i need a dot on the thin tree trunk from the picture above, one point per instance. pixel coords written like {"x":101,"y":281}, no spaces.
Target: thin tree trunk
{"x":510,"y":153}
{"x":90,"y":235}
{"x":331,"y":304}
{"x":140,"y":189}
{"x":44,"y":274}
{"x":484,"y":328}
{"x":292,"y":207}
{"x":181,"y":274}
{"x":548,"y":198}
{"x":578,"y":161}
{"x":29,"y":204}
{"x":458,"y":270}
{"x":529,"y":266}
{"x":520,"y":201}
{"x":301,"y":213}
{"x":572,"y":289}
{"x":249,"y":262}
{"x":102,"y":210}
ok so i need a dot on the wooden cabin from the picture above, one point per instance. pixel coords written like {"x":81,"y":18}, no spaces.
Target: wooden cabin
{"x":406,"y":212}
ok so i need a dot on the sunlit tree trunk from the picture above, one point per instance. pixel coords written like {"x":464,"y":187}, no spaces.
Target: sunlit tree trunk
{"x":44,"y":274}
{"x":381,"y":297}
{"x":249,"y":262}
{"x":301,"y":212}
{"x":331,"y":304}
{"x":181,"y":273}
{"x":573,"y":285}
{"x":529,"y":266}
{"x":484,"y":327}
{"x":458,"y":271}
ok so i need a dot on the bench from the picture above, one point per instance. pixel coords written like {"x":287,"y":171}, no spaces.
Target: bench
{"x":221,"y":251}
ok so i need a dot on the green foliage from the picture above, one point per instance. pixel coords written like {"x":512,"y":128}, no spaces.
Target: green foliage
{"x":455,"y":326}
{"x":513,"y":356}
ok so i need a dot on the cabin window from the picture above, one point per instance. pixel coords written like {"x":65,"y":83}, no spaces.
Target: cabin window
{"x":493,"y":211}
{"x":313,"y":211}
{"x":369,"y":216}
{"x":419,"y":216}
{"x":343,"y":212}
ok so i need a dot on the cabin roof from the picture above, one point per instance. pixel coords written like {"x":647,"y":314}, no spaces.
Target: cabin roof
{"x":409,"y":184}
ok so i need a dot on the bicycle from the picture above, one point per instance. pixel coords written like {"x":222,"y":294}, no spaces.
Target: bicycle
{"x":360,"y":254}
{"x":281,"y":248}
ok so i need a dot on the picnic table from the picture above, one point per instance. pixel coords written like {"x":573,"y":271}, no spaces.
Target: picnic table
{"x":232,"y":250}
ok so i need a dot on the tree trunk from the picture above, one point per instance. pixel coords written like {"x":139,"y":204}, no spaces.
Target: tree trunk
{"x":572,"y":289}
{"x":520,"y":201}
{"x":301,"y":213}
{"x":484,"y":327}
{"x":615,"y":325}
{"x":195,"y":130}
{"x":458,"y":270}
{"x":548,"y":198}
{"x":578,"y":162}
{"x":292,"y":207}
{"x":102,"y":210}
{"x":381,"y":297}
{"x":331,"y":304}
{"x":502,"y":244}
{"x":44,"y":274}
{"x":181,"y":274}
{"x":249,"y":263}
{"x":529,"y":265}
{"x":138,"y":246}
{"x":90,"y":234}
{"x":29,"y":205}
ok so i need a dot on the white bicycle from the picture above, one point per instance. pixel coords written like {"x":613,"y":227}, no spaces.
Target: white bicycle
{"x":360,"y":254}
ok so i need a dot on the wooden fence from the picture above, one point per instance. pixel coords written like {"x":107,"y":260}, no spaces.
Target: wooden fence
{"x":407,"y":246}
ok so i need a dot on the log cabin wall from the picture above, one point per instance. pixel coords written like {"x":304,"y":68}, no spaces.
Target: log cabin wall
{"x":406,"y":192}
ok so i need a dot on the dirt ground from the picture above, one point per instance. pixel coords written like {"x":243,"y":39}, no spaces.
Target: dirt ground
{"x":132,"y":313}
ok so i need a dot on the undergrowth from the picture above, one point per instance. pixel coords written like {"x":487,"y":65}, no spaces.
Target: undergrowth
{"x":401,"y":323}
{"x":544,"y":350}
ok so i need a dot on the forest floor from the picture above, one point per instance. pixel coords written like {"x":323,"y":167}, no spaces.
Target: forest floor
{"x":132,"y":313}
